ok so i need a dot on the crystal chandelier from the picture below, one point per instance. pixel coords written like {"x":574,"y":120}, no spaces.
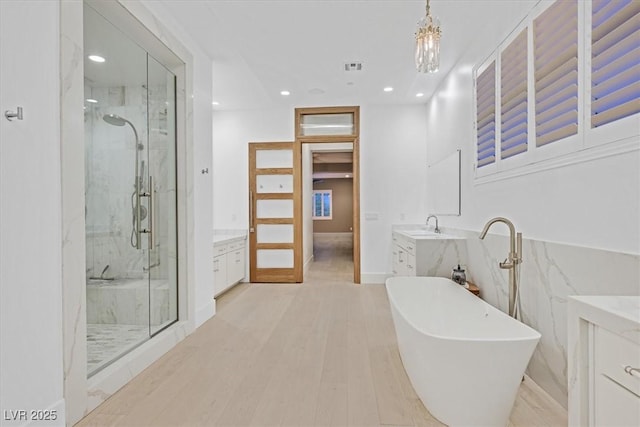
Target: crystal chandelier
{"x":428,"y":44}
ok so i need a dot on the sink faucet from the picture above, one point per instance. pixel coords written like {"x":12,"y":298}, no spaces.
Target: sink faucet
{"x":437,"y":230}
{"x":514,"y":258}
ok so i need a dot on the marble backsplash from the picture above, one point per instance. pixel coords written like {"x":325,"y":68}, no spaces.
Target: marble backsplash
{"x":550,"y":272}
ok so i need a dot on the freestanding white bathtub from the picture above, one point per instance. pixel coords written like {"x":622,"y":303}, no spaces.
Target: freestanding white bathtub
{"x":464,"y":357}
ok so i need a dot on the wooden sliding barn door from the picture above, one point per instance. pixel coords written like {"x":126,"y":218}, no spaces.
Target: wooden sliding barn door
{"x":275,"y":226}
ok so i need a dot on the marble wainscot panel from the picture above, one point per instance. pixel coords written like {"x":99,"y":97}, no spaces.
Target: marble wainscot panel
{"x":550,"y":273}
{"x":128,"y":301}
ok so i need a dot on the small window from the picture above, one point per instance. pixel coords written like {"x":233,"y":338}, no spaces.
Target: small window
{"x":555,"y":38}
{"x":486,"y":116}
{"x":513,"y":90}
{"x":322,"y":204}
{"x":615,"y":60}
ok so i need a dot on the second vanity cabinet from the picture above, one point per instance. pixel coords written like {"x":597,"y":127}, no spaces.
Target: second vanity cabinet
{"x":229,"y":264}
{"x":604,"y":360}
{"x":424,"y":254}
{"x":404,"y":255}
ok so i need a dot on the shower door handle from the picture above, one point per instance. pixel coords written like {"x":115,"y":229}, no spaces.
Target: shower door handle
{"x":138,"y":213}
{"x":152,"y":215}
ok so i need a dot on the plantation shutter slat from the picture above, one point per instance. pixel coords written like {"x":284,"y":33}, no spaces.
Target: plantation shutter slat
{"x":615,"y":61}
{"x":513,"y":81}
{"x":627,"y":94}
{"x":486,"y":116}
{"x":626,"y":78}
{"x":620,"y":111}
{"x":563,"y":77}
{"x":555,"y":39}
{"x":617,"y":22}
{"x":545,"y":104}
{"x":487,"y":121}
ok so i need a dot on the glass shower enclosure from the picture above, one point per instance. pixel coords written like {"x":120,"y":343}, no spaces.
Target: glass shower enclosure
{"x":130,"y":193}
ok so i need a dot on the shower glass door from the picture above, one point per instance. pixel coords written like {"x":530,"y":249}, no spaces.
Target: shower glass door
{"x":130,"y":193}
{"x":162,"y":242}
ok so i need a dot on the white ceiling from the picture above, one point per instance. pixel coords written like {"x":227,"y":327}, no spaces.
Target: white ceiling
{"x":260,"y":47}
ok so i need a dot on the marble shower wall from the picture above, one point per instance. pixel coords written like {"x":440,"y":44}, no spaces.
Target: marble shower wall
{"x":550,"y":272}
{"x":110,"y":172}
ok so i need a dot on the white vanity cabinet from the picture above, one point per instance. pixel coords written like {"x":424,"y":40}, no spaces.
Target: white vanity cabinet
{"x":604,"y":361}
{"x":404,"y":255}
{"x":424,"y":253}
{"x":229,"y":263}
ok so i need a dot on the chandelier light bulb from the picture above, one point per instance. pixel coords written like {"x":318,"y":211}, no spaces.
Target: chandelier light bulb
{"x":427,"y":53}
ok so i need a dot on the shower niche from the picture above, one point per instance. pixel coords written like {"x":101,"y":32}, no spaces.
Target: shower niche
{"x":130,"y":193}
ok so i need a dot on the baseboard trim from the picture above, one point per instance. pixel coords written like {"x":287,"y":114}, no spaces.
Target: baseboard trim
{"x":307,"y":265}
{"x":205,"y":313}
{"x":374,"y":278}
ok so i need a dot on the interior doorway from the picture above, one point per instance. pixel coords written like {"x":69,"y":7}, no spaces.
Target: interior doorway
{"x":336,"y":130}
{"x":328,"y":200}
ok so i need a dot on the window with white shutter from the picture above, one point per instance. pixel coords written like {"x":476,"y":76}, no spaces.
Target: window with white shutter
{"x":615,"y":60}
{"x":486,"y":116}
{"x":513,"y":91}
{"x":555,"y":39}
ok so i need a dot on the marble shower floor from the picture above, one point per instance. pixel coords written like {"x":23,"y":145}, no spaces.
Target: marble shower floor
{"x":105,"y":342}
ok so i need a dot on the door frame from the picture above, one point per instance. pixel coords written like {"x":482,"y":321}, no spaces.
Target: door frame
{"x":353,"y":138}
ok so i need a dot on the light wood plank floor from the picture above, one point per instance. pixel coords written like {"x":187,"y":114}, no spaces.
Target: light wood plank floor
{"x":322,"y":353}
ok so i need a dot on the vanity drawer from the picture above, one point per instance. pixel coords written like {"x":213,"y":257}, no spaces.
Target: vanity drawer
{"x":219,"y":249}
{"x":411,"y":265}
{"x":612,"y":354}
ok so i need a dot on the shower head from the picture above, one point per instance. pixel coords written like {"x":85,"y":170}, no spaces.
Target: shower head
{"x":114,"y":119}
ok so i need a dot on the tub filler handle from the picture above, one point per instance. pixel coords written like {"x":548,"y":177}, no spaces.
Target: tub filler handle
{"x":634,"y":372}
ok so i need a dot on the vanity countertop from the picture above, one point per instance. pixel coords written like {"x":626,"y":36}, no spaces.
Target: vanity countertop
{"x":228,"y":236}
{"x":422,"y":232}
{"x":620,"y":314}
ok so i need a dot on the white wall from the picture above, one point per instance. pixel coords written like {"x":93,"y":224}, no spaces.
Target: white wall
{"x":393,"y":171}
{"x":232,"y":131}
{"x":202,"y":153}
{"x":31,"y":374}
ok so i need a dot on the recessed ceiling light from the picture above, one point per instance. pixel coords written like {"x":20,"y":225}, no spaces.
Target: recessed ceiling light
{"x":420,"y":95}
{"x":388,"y":89}
{"x":96,"y":58}
{"x":91,"y":100}
{"x":215,"y":103}
{"x":285,"y":93}
{"x":346,"y":176}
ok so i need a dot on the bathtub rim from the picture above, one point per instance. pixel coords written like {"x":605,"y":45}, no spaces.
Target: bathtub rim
{"x":535,"y":336}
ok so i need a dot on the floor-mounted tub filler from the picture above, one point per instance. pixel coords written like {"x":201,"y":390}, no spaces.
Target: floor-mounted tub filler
{"x":464,"y":357}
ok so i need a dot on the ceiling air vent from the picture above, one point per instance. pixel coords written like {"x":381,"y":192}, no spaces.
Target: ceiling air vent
{"x":353,"y":66}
